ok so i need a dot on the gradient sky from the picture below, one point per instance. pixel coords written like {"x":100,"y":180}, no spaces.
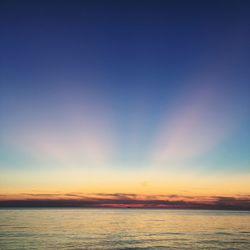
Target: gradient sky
{"x":142,"y":97}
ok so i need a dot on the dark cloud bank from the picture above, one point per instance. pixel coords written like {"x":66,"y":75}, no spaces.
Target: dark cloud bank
{"x":120,"y":200}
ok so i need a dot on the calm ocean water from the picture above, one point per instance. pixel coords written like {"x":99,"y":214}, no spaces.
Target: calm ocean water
{"x":123,"y":229}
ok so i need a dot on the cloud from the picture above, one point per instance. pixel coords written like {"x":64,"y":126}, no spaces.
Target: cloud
{"x":100,"y":200}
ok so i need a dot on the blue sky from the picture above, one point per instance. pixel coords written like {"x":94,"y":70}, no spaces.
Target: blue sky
{"x":123,"y":86}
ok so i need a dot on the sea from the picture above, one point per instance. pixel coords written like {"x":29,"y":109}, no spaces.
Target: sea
{"x":81,"y":228}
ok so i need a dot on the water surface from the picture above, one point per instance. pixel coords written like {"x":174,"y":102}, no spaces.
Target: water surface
{"x":123,"y":229}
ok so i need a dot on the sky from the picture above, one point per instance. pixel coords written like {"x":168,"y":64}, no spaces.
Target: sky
{"x":120,"y":101}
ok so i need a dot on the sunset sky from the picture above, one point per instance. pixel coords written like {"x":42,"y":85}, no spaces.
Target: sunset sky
{"x":134,"y":100}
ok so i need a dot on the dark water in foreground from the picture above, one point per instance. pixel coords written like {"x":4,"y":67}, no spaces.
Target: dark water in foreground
{"x":123,"y":229}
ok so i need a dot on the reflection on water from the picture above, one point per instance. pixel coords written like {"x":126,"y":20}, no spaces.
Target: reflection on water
{"x":123,"y":229}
